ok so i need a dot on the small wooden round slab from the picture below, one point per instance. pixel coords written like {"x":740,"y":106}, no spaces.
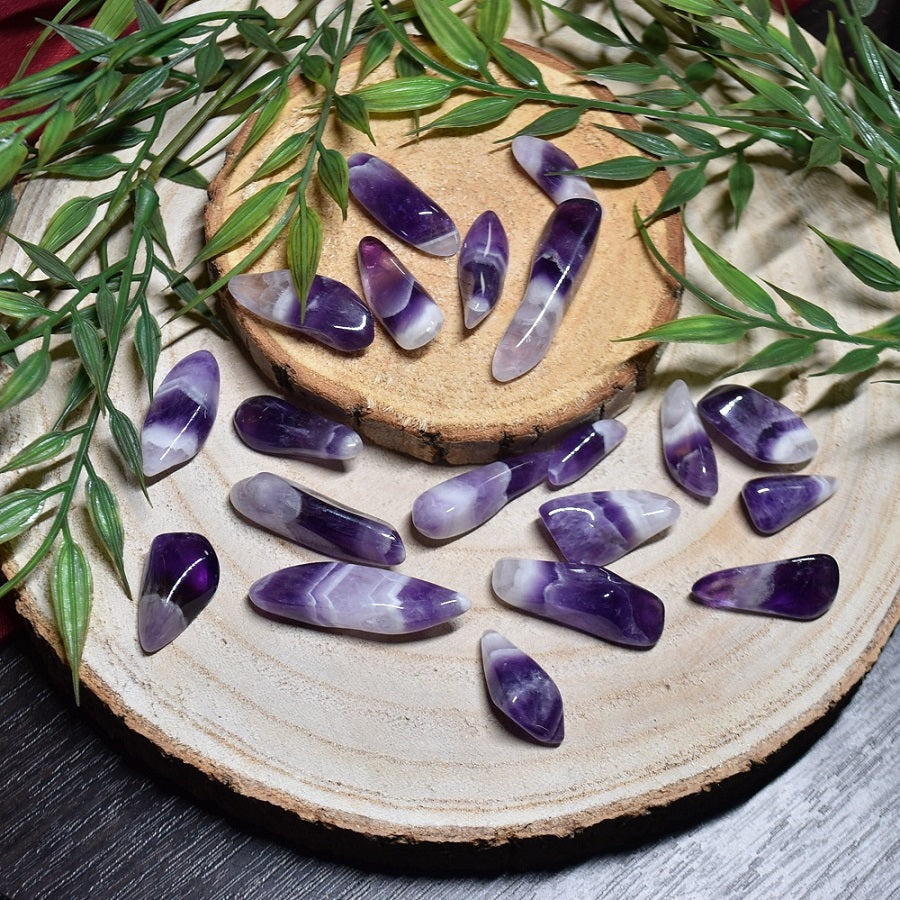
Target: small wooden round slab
{"x":440,"y":403}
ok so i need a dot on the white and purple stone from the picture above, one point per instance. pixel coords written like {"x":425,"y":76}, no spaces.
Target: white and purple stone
{"x":316,"y":522}
{"x":775,"y":501}
{"x":540,"y":158}
{"x":599,"y":527}
{"x":483,"y":261}
{"x":274,"y":426}
{"x":398,"y":300}
{"x":582,"y":448}
{"x":335,"y":316}
{"x":687,"y":449}
{"x":588,"y":598}
{"x":466,"y":501}
{"x":400,"y":206}
{"x":358,"y":598}
{"x":182,"y":413}
{"x":800,"y":588}
{"x":521,"y":690}
{"x":180,"y":577}
{"x":758,"y":426}
{"x":565,"y":247}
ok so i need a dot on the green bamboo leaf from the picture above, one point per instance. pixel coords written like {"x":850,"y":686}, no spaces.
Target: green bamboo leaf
{"x":114,"y":17}
{"x":26,"y":379}
{"x":554,"y":121}
{"x":667,"y":98}
{"x":55,"y":133}
{"x":633,"y":72}
{"x":492,"y":20}
{"x":256,"y":88}
{"x":69,"y":221}
{"x":46,"y":447}
{"x":304,"y":250}
{"x":405,"y":94}
{"x":799,"y":43}
{"x":7,"y":206}
{"x":886,"y":331}
{"x":84,"y":40}
{"x":407,"y":66}
{"x":704,"y":329}
{"x":147,"y":17}
{"x":72,"y":590}
{"x":587,"y":28}
{"x":103,"y":509}
{"x":270,"y":111}
{"x":683,"y":188}
{"x":283,"y":155}
{"x":13,"y":153}
{"x":452,"y":35}
{"x":351,"y":108}
{"x":700,"y":72}
{"x":334,"y":176}
{"x":742,"y":40}
{"x":92,"y":166}
{"x":19,"y":510}
{"x":645,"y":140}
{"x":19,"y":306}
{"x":518,"y":67}
{"x":777,"y":96}
{"x":810,"y":312}
{"x":90,"y":347}
{"x":833,"y":71}
{"x":784,"y":352}
{"x":257,"y":36}
{"x":376,"y":51}
{"x":107,"y":308}
{"x":870,"y":268}
{"x":695,"y":7}
{"x":624,"y":168}
{"x":208,"y":62}
{"x":655,"y":38}
{"x":761,"y":10}
{"x":80,"y":388}
{"x":824,"y":153}
{"x":180,"y":172}
{"x":329,"y":42}
{"x":833,"y":115}
{"x":474,"y":114}
{"x":860,"y":359}
{"x":148,"y":342}
{"x":127,"y":441}
{"x":696,"y":137}
{"x":315,"y":68}
{"x":741,"y":179}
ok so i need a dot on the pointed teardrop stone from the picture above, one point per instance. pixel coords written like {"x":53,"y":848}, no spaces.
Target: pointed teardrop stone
{"x":565,"y":247}
{"x":466,"y":501}
{"x":582,"y":448}
{"x":483,"y":261}
{"x":314,"y":521}
{"x":274,"y":426}
{"x":539,"y":158}
{"x":335,"y":316}
{"x":521,"y":690}
{"x":359,"y":598}
{"x":182,"y":413}
{"x":599,"y":527}
{"x":399,"y":302}
{"x":799,"y":588}
{"x":761,"y":427}
{"x":687,"y":448}
{"x":180,"y":577}
{"x":774,"y":501}
{"x":401,"y":207}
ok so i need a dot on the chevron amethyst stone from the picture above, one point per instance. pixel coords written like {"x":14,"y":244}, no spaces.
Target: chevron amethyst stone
{"x":760,"y":427}
{"x":521,"y":690}
{"x":687,"y":449}
{"x":564,"y":249}
{"x":589,"y":598}
{"x":540,"y":159}
{"x":399,"y":302}
{"x":315,"y":522}
{"x":180,"y":577}
{"x":400,"y":206}
{"x":466,"y":501}
{"x":775,"y":501}
{"x":358,"y":598}
{"x":483,"y":261}
{"x":799,"y":588}
{"x":601,"y":526}
{"x":182,"y":413}
{"x":335,"y":316}
{"x":582,"y":448}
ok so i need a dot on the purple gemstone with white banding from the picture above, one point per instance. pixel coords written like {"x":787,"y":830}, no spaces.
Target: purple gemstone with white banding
{"x":687,"y":449}
{"x":775,"y":501}
{"x":582,"y":448}
{"x":540,"y":158}
{"x":483,"y":261}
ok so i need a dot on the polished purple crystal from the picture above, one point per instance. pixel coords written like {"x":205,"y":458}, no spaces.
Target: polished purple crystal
{"x":274,"y":426}
{"x":182,"y":413}
{"x":399,"y":302}
{"x":314,"y":521}
{"x":774,"y":501}
{"x":483,"y":261}
{"x":359,"y":598}
{"x":760,"y":427}
{"x":687,"y":449}
{"x":540,"y":158}
{"x":601,"y":526}
{"x":521,"y":690}
{"x":180,"y":577}
{"x":335,"y":316}
{"x":565,"y":247}
{"x":582,"y":448}
{"x":589,"y":598}
{"x":400,"y":206}
{"x":466,"y":501}
{"x":800,"y":588}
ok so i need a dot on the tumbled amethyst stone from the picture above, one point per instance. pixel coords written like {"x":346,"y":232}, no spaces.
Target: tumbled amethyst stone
{"x":483,"y":261}
{"x":314,"y":521}
{"x":180,"y":577}
{"x":401,"y":207}
{"x":589,"y":598}
{"x":687,"y":449}
{"x":274,"y":426}
{"x":800,"y":588}
{"x":355,"y":597}
{"x":582,"y":448}
{"x":775,"y":501}
{"x":540,"y":158}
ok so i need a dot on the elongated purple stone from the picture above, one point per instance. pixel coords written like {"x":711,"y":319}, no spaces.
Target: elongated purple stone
{"x":687,"y":449}
{"x":483,"y":261}
{"x":182,"y":413}
{"x":800,"y":588}
{"x":589,"y":598}
{"x":180,"y":577}
{"x":314,"y":521}
{"x":762,"y":428}
{"x":466,"y":501}
{"x":359,"y":598}
{"x":565,"y":247}
{"x":601,"y":526}
{"x":582,"y":448}
{"x":521,"y":690}
{"x":775,"y":501}
{"x":399,"y":302}
{"x":540,"y":158}
{"x":335,"y":316}
{"x":274,"y":426}
{"x":401,"y":207}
